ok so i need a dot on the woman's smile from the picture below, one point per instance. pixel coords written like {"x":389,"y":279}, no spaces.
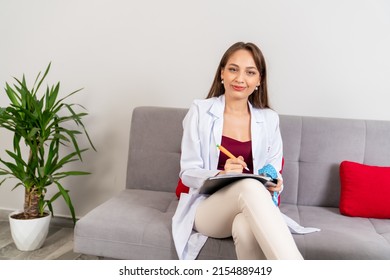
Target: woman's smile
{"x":238,"y":88}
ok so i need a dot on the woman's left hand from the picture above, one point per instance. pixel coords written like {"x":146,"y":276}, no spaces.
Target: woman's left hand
{"x":277,"y":187}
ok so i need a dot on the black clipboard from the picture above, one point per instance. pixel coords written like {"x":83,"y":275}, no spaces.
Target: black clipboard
{"x":213,"y":184}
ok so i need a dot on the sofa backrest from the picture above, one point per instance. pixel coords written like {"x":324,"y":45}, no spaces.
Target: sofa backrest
{"x":314,"y":147}
{"x":154,"y":148}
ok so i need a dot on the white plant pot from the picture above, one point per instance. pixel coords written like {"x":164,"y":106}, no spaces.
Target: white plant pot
{"x":29,"y":235}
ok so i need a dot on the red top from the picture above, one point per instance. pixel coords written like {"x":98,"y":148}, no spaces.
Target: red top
{"x":237,"y":148}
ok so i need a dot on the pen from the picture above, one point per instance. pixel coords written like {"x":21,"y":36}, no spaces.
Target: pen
{"x":229,"y":154}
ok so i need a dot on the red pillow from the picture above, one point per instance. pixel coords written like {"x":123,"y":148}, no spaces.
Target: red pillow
{"x":365,"y":190}
{"x":181,"y":188}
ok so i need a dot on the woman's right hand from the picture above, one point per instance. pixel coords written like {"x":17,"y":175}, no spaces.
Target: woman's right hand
{"x":234,"y":165}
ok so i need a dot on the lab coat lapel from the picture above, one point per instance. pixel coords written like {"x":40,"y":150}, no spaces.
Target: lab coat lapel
{"x":259,"y":138}
{"x":216,"y":111}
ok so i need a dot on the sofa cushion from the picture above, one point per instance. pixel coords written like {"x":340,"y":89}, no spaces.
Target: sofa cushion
{"x":137,"y":224}
{"x":341,"y":237}
{"x":365,"y":190}
{"x":134,"y":224}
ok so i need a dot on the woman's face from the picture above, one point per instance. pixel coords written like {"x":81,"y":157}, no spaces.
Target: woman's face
{"x":240,"y":75}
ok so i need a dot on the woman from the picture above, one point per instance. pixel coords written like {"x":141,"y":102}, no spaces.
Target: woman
{"x":236,"y":115}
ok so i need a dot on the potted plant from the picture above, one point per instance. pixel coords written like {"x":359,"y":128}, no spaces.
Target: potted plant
{"x":41,"y":126}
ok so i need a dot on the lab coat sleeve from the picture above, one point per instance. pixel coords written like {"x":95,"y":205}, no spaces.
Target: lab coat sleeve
{"x":193,"y":169}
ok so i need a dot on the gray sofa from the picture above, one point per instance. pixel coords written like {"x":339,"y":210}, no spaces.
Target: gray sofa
{"x":136,"y":223}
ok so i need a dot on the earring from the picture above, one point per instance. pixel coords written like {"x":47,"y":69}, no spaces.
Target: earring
{"x":256,"y":88}
{"x":221,"y":81}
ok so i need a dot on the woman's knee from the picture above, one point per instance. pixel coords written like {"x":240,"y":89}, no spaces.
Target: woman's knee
{"x":252,"y":192}
{"x":252,"y":187}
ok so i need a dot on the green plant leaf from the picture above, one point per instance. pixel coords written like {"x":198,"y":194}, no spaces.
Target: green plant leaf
{"x":13,"y":97}
{"x":62,"y":175}
{"x":5,"y":179}
{"x":14,"y":169}
{"x":43,"y":78}
{"x":52,"y":97}
{"x":17,"y":185}
{"x":59,"y":102}
{"x":50,"y":206}
{"x":33,"y":132}
{"x":67,"y":200}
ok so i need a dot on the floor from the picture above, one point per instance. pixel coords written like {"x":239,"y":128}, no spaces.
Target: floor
{"x":58,"y":244}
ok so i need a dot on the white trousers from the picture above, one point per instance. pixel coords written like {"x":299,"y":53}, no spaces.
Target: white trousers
{"x":245,"y":211}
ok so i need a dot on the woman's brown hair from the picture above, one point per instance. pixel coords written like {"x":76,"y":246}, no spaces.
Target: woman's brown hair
{"x":259,"y":97}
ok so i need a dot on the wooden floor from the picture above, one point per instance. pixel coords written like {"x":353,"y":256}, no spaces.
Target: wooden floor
{"x":58,"y":244}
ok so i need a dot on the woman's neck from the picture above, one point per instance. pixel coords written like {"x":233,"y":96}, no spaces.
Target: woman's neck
{"x":237,"y":121}
{"x":238,"y":107}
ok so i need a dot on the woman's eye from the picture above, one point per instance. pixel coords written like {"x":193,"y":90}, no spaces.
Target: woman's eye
{"x":251,"y":73}
{"x":232,"y":69}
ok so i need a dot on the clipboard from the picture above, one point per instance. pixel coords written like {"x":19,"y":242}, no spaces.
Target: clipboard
{"x":215,"y":183}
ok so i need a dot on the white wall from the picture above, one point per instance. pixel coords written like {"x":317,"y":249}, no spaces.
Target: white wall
{"x":325,"y":58}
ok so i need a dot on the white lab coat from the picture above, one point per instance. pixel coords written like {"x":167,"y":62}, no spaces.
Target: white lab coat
{"x":199,"y":158}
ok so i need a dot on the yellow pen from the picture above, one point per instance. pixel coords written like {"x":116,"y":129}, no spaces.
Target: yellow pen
{"x":229,"y":154}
